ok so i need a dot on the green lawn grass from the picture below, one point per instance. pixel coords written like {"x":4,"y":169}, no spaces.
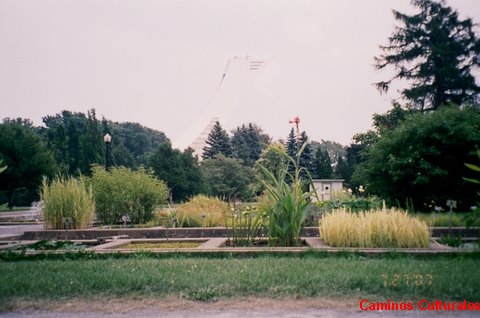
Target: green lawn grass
{"x":202,"y":278}
{"x":442,"y":219}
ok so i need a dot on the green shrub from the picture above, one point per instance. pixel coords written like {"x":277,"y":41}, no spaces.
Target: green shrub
{"x":377,"y":228}
{"x":121,"y":191}
{"x":202,"y":210}
{"x":67,"y":198}
{"x":350,"y":202}
{"x":473,"y":218}
{"x":442,"y":219}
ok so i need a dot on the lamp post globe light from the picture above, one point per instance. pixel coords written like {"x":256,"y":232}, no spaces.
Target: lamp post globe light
{"x":107,"y":139}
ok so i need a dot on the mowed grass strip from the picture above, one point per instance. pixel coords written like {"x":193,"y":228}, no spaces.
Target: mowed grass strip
{"x":272,"y":277}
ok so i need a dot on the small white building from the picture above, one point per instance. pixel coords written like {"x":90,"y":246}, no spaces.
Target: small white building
{"x":325,"y":187}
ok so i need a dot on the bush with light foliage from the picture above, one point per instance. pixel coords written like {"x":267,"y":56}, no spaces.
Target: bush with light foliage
{"x":203,"y":211}
{"x":121,"y":191}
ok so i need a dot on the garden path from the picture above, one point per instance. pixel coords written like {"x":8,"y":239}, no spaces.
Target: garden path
{"x":251,"y":308}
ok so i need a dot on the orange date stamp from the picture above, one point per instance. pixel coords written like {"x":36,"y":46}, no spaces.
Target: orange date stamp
{"x":416,"y":280}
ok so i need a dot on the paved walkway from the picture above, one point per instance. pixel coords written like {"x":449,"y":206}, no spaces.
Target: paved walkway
{"x":238,"y":313}
{"x":235,"y":308}
{"x":8,"y":226}
{"x":18,"y":229}
{"x":32,"y":214}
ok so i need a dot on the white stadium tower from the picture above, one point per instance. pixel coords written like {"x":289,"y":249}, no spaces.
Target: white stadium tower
{"x":237,"y":79}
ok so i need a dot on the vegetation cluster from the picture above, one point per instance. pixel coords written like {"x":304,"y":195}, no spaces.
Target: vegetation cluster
{"x":381,"y":228}
{"x":414,"y":158}
{"x":67,"y":203}
{"x":202,"y":278}
{"x":201,"y":211}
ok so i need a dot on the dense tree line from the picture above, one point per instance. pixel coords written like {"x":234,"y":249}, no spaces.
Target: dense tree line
{"x":69,"y":143}
{"x":229,"y":162}
{"x":76,"y":141}
{"x":421,"y":162}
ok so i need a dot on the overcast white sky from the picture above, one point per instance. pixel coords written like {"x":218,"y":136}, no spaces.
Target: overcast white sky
{"x":159,"y":62}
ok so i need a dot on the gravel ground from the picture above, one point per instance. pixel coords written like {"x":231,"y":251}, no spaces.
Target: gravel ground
{"x":175,"y":308}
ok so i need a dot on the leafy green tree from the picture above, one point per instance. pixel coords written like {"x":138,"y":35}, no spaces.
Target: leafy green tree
{"x":63,"y":133}
{"x":248,"y":143}
{"x":26,"y":155}
{"x":133,"y":144}
{"x":382,"y":124}
{"x":437,"y":52}
{"x":179,"y":170}
{"x":227,"y":178}
{"x":391,"y":119}
{"x":218,"y":142}
{"x":56,"y":139}
{"x":272,"y":159}
{"x":91,"y":143}
{"x":422,"y":160}
{"x":122,"y":191}
{"x":332,"y":148}
{"x":76,"y":141}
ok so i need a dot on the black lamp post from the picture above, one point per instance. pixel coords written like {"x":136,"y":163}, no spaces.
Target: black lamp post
{"x":107,"y":139}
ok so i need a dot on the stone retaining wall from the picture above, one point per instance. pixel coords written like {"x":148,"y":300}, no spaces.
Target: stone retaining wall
{"x":187,"y":233}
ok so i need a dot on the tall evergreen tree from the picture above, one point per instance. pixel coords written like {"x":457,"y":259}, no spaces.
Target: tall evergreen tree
{"x":322,"y":166}
{"x":248,"y":143}
{"x":306,"y":158}
{"x":218,"y":142}
{"x":341,"y":169}
{"x":291,"y":144}
{"x":436,"y":51}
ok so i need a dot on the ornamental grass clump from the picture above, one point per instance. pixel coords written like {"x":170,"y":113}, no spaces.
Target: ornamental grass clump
{"x":67,"y":198}
{"x":245,"y":226}
{"x":202,"y":210}
{"x":377,"y":228}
